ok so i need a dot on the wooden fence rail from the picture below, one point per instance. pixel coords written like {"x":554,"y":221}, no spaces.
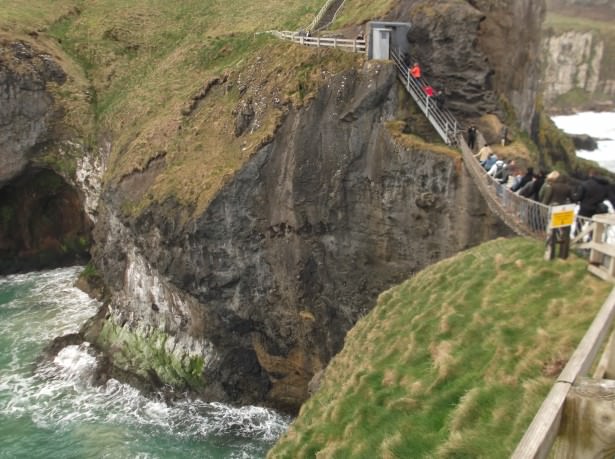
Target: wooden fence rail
{"x":540,"y":436}
{"x":356,"y":46}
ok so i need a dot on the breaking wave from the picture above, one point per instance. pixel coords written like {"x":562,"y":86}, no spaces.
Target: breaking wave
{"x":63,"y":414}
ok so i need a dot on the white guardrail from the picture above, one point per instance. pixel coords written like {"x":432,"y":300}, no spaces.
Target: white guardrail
{"x":356,"y":46}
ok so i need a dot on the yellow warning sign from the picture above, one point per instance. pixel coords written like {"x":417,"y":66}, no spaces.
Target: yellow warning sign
{"x":562,"y":216}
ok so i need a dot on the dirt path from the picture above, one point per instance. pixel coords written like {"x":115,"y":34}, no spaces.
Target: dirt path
{"x":327,"y":18}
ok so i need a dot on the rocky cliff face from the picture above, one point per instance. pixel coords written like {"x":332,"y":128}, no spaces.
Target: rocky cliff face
{"x":27,"y":111}
{"x":249,"y":299}
{"x":579,"y":56}
{"x":467,"y":48}
{"x":42,"y":221}
{"x":261,"y":288}
{"x":574,"y":61}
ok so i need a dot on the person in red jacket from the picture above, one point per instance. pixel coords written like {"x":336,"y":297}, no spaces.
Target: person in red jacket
{"x":415,"y":71}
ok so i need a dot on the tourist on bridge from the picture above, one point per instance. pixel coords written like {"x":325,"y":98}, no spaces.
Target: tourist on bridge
{"x":501,"y":170}
{"x":496,"y":169}
{"x":554,"y":191}
{"x":525,"y":179}
{"x":591,"y":193}
{"x":428,"y":90}
{"x":490,"y":161}
{"x":484,"y":154}
{"x":505,"y":172}
{"x":532,"y":188}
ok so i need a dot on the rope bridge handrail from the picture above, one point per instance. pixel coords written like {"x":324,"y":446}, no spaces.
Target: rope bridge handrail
{"x":524,"y":216}
{"x":357,"y":46}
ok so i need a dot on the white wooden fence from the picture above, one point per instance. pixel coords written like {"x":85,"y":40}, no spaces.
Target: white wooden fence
{"x":356,"y":46}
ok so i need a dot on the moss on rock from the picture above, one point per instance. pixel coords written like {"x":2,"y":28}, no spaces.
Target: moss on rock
{"x":145,"y":352}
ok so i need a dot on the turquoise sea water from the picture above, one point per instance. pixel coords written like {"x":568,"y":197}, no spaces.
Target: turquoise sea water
{"x":51,"y":409}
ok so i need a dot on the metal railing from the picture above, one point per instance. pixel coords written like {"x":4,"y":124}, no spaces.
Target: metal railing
{"x":346,"y":44}
{"x":441,"y":119}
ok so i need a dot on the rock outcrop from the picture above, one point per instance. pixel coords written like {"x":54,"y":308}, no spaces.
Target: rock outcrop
{"x":27,"y":109}
{"x":465,"y":47}
{"x":578,"y":57}
{"x":264,"y":285}
{"x":42,"y":219}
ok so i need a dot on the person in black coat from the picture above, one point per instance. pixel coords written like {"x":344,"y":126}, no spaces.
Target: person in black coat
{"x":471,"y":137}
{"x":538,"y":182}
{"x":529,"y":175}
{"x":591,"y":194}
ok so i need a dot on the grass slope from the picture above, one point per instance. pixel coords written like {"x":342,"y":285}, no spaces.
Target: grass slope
{"x":453,"y":362}
{"x":148,"y":63}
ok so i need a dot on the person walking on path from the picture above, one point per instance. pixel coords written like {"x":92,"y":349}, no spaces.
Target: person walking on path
{"x":440,"y":98}
{"x":472,"y":137}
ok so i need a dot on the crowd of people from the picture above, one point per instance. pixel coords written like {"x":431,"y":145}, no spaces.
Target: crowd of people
{"x":593,"y":193}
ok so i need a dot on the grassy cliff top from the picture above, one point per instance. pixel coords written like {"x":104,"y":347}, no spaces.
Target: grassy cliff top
{"x":167,"y":81}
{"x":454,"y":362}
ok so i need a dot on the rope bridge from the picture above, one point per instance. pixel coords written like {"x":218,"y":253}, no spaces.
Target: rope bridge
{"x":524,"y":216}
